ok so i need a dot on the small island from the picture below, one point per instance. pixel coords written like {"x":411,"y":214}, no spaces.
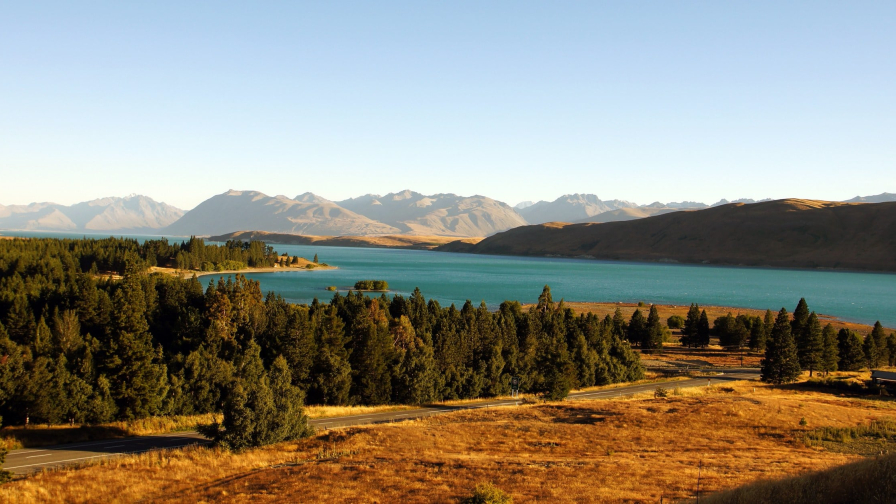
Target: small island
{"x":372,"y":285}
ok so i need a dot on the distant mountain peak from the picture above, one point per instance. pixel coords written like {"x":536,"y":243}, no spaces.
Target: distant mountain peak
{"x":131,"y":213}
{"x":879,"y":198}
{"x":310,"y":197}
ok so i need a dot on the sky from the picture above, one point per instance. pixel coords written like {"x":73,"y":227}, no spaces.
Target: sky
{"x":515,"y":100}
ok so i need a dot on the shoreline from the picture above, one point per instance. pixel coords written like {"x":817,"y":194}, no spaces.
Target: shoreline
{"x":191,"y":273}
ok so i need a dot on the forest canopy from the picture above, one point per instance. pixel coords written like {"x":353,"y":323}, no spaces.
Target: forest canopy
{"x":76,"y":346}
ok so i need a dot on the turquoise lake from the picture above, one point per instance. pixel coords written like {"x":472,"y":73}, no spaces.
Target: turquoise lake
{"x":455,"y":278}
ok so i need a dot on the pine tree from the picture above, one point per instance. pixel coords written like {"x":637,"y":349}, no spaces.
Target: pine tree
{"x":288,"y":420}
{"x":620,"y":327}
{"x":880,"y":341}
{"x":655,"y":328}
{"x":637,"y":329}
{"x":781,"y":363}
{"x":331,"y":377}
{"x":137,"y":378}
{"x":703,"y":330}
{"x":851,"y":354}
{"x":872,"y":353}
{"x":315,"y":259}
{"x":691,"y":323}
{"x":810,"y":344}
{"x":800,"y":320}
{"x":829,"y":355}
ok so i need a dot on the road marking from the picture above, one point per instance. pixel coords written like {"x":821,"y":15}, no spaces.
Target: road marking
{"x":44,"y":455}
{"x":116,"y":446}
{"x":56,"y":462}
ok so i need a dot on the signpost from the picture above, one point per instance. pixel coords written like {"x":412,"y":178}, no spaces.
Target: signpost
{"x":515,"y":386}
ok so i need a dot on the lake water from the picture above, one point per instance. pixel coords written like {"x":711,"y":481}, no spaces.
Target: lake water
{"x":454,"y":278}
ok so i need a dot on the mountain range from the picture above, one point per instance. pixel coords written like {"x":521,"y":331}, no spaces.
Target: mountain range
{"x":401,"y":213}
{"x":133,"y":213}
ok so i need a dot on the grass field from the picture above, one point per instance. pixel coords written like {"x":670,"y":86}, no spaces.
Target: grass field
{"x":622,"y":450}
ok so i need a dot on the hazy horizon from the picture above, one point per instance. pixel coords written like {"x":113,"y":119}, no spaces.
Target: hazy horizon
{"x":516,"y":101}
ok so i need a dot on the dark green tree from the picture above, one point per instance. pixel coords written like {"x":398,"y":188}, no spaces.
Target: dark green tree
{"x":872,"y":353}
{"x":829,"y":354}
{"x":655,"y":329}
{"x":637,"y":329}
{"x":810,"y":344}
{"x":800,"y":318}
{"x":781,"y":363}
{"x":691,"y":324}
{"x":851,"y":354}
{"x":880,"y":341}
{"x":703,"y":330}
{"x":315,"y":259}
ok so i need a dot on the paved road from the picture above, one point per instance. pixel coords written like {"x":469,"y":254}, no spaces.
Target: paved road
{"x":33,"y":459}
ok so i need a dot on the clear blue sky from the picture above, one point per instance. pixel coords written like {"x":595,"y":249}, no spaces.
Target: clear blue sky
{"x":515,"y":100}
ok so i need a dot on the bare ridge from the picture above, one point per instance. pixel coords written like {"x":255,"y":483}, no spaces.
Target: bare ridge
{"x":794,"y":233}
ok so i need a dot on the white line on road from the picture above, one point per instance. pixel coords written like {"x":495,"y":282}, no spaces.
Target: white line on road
{"x":44,"y":455}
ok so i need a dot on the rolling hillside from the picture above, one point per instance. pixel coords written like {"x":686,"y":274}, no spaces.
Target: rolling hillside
{"x":782,"y":233}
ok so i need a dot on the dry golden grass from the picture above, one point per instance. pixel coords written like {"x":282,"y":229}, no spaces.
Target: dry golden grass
{"x":338,"y":411}
{"x":611,"y":451}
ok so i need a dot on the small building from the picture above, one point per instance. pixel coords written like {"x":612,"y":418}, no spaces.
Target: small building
{"x":884,"y":378}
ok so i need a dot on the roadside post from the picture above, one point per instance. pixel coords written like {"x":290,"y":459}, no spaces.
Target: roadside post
{"x":515,"y":386}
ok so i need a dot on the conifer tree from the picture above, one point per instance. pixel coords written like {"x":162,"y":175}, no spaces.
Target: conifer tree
{"x":331,"y":373}
{"x":829,"y":355}
{"x":691,"y":323}
{"x":800,"y":320}
{"x":851,"y":354}
{"x":810,"y":344}
{"x":703,"y":330}
{"x":880,"y":341}
{"x":620,"y":327}
{"x":654,"y":329}
{"x":872,"y":353}
{"x":637,"y":329}
{"x":757,"y":335}
{"x":781,"y":363}
{"x":315,"y":259}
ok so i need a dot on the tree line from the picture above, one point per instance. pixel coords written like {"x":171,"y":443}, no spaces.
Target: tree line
{"x":798,"y":343}
{"x":79,"y":347}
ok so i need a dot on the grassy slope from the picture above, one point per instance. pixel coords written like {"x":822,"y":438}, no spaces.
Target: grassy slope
{"x":784,"y":233}
{"x":388,"y":241}
{"x":618,"y":450}
{"x":871,"y":480}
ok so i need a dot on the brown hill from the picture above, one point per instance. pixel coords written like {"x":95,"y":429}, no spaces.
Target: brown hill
{"x":389,"y":241}
{"x":784,"y":233}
